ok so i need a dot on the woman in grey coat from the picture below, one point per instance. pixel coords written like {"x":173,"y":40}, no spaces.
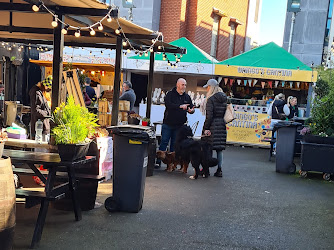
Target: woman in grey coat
{"x":214,"y":129}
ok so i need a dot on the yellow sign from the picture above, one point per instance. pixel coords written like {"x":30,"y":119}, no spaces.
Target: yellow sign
{"x":135,"y":142}
{"x":266,"y":73}
{"x":249,"y":128}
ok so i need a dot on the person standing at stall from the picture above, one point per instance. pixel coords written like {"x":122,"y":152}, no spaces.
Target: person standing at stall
{"x":128,"y":94}
{"x":292,"y":104}
{"x":214,"y":128}
{"x":278,"y":109}
{"x":89,"y":90}
{"x":40,"y":108}
{"x":178,"y":103}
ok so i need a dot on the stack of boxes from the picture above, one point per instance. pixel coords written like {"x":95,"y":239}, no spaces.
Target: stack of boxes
{"x":105,"y":113}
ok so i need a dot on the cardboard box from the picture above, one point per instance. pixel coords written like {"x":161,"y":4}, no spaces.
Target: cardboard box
{"x":103,"y":106}
{"x":124,"y":105}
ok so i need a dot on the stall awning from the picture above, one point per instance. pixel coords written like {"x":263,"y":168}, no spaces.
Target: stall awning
{"x":270,"y":62}
{"x":85,"y":66}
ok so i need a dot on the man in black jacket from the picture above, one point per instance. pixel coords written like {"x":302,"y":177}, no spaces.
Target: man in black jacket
{"x":178,"y":104}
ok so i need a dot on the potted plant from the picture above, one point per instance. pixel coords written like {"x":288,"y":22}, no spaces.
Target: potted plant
{"x":134,"y":118}
{"x":318,"y":135}
{"x":145,"y":121}
{"x":74,"y":126}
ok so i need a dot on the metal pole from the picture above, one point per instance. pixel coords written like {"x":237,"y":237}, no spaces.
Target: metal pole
{"x":117,"y":81}
{"x":149,"y":86}
{"x":293,"y":20}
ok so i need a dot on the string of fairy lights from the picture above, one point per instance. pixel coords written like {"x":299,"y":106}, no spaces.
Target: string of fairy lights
{"x":99,"y":26}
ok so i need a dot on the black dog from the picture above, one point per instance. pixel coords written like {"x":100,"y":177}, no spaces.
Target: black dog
{"x":197,"y":152}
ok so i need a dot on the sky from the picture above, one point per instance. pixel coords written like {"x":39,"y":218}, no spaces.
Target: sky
{"x":272,"y":21}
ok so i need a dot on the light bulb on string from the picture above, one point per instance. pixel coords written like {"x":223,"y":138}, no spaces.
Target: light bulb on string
{"x":125,"y":54}
{"x":92,"y":31}
{"x":101,"y":52}
{"x":153,"y":41}
{"x":22,"y":46}
{"x":100,"y":27}
{"x":9,"y":48}
{"x":159,"y":47}
{"x":118,"y":31}
{"x":125,"y":43}
{"x":77,"y":33}
{"x":65,"y":29}
{"x":164,"y":58}
{"x":55,"y":22}
{"x":90,"y":52}
{"x":146,"y":54}
{"x":108,"y":18}
{"x":141,"y":53}
{"x":29,"y":48}
{"x":3,"y":43}
{"x":36,"y":7}
{"x":128,"y":50}
{"x":38,"y":49}
{"x":19,"y":49}
{"x":14,"y":45}
{"x":151,"y":49}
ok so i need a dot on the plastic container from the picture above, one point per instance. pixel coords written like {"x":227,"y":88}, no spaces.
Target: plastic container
{"x":285,"y":146}
{"x":130,"y":161}
{"x":39,"y":131}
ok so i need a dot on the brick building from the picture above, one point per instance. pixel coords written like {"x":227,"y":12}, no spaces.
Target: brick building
{"x":218,"y":27}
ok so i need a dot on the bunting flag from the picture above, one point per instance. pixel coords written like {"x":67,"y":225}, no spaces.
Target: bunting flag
{"x":298,"y":84}
{"x":245,"y":82}
{"x":270,"y":83}
{"x":276,"y":84}
{"x":231,"y":81}
{"x":225,"y":80}
{"x":291,"y":83}
{"x":263,"y":84}
{"x":283,"y":83}
{"x":254,"y":83}
{"x":250,"y":82}
{"x":239,"y":81}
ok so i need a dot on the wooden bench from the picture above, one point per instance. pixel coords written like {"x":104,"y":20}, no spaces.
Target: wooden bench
{"x":59,"y":175}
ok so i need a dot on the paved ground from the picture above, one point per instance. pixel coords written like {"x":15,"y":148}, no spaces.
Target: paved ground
{"x":251,"y":207}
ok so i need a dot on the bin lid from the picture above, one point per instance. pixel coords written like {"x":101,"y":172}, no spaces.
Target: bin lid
{"x":282,"y":124}
{"x":142,"y":133}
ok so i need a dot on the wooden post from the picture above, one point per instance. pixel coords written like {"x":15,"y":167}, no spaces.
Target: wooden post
{"x":57,"y":66}
{"x":117,"y":80}
{"x":149,"y":86}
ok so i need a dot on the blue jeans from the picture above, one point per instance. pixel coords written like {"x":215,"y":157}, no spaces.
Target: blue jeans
{"x":220,"y":158}
{"x":168,"y":133}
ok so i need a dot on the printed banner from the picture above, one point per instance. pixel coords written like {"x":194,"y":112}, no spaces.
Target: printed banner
{"x":249,"y":128}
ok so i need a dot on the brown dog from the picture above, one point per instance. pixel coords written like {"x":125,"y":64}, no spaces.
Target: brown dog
{"x":169,"y":159}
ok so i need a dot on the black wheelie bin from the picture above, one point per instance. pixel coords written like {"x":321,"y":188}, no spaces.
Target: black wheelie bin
{"x":285,"y":146}
{"x":130,"y":160}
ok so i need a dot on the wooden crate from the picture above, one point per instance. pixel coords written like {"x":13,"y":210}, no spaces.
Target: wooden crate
{"x":103,"y":106}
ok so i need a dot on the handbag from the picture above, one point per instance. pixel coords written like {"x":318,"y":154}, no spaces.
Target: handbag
{"x":229,"y":113}
{"x":281,"y":116}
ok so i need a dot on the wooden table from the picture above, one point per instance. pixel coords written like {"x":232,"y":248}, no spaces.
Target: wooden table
{"x":53,"y":163}
{"x":27,"y":143}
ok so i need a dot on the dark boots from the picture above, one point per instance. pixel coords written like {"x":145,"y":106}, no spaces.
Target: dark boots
{"x":219,"y":173}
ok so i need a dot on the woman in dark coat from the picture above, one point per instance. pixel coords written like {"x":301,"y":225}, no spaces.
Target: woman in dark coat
{"x":214,"y":128}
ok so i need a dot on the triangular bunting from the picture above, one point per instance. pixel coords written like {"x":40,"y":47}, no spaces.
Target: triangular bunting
{"x":231,"y":81}
{"x":263,"y":84}
{"x":276,"y":84}
{"x":250,"y":82}
{"x":254,"y":82}
{"x":283,"y":83}
{"x":270,"y":83}
{"x":291,"y":83}
{"x":298,"y":84}
{"x":245,"y":82}
{"x":239,"y":81}
{"x":225,"y":80}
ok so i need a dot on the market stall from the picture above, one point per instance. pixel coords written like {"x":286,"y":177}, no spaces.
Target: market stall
{"x":252,"y":79}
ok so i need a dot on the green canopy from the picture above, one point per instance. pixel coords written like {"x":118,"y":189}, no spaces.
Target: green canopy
{"x":194,"y":53}
{"x":269,"y":55}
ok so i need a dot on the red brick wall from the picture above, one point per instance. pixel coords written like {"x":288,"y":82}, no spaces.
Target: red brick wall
{"x":192,"y":19}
